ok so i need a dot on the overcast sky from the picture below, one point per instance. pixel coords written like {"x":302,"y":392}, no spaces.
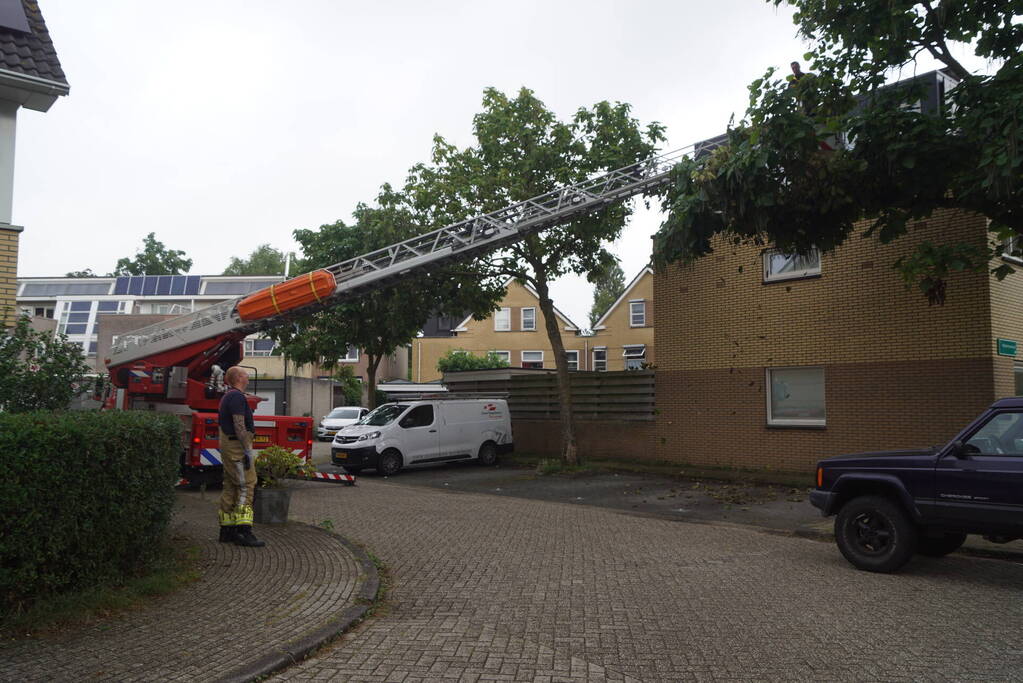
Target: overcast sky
{"x":222,"y":124}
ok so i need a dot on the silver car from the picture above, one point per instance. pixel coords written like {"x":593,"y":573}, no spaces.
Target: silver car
{"x":338,"y":418}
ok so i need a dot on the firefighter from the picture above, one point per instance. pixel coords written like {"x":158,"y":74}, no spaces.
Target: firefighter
{"x":237,"y":429}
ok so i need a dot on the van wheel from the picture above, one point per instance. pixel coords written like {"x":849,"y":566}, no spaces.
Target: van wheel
{"x":488,"y":454}
{"x":875,"y":534}
{"x":390,"y":463}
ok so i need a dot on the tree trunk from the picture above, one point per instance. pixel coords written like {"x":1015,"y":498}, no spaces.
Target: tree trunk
{"x":372,"y":363}
{"x":569,"y":454}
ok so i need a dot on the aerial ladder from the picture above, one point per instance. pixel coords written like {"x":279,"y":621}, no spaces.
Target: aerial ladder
{"x":177,"y":365}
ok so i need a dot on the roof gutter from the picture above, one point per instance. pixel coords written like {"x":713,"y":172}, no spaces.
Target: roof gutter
{"x":31,"y":92}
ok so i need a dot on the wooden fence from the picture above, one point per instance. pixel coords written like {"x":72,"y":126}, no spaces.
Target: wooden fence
{"x":606,"y":396}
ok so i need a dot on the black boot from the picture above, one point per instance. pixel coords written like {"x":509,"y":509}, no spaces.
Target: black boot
{"x":228,"y":534}
{"x":243,"y":536}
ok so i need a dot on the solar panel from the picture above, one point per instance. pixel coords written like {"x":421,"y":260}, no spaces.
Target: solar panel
{"x":192,"y":286}
{"x":121,"y":286}
{"x":135,"y":286}
{"x":12,"y":16}
{"x":163,"y":284}
{"x":149,"y":285}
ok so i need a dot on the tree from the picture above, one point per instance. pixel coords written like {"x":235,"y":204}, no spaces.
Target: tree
{"x":608,"y":285}
{"x":264,"y":260}
{"x":522,"y":150}
{"x":81,"y":273}
{"x":154,"y":259}
{"x":37,"y":370}
{"x":379,"y":321}
{"x":785,"y":177}
{"x":456,"y":360}
{"x":351,"y":387}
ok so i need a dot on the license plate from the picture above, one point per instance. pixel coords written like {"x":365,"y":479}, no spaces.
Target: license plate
{"x":260,"y":438}
{"x":340,"y":455}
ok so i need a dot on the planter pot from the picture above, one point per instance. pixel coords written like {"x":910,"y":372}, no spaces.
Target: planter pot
{"x":271,"y":506}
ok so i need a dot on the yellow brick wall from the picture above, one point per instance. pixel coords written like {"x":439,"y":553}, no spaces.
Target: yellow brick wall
{"x":618,"y":330}
{"x":8,"y":274}
{"x":481,"y":337}
{"x":1007,"y":323}
{"x":898,"y":373}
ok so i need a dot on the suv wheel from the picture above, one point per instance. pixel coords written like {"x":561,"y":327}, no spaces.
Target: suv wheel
{"x":875,"y":534}
{"x":390,"y":463}
{"x":940,"y":546}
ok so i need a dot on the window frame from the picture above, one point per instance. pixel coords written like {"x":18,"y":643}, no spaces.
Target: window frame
{"x":813,"y":423}
{"x":629,"y":353}
{"x":632,"y":312}
{"x":506,"y":355}
{"x":1013,"y":249}
{"x":347,"y":358}
{"x":568,"y":354}
{"x":601,"y":349}
{"x":502,"y":314}
{"x":523,"y":361}
{"x":794,"y":275}
{"x":522,"y":318}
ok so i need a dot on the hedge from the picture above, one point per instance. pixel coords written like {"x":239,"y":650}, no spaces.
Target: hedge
{"x":85,"y":498}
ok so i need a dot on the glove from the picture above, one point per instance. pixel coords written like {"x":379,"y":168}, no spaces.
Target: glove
{"x":247,"y":460}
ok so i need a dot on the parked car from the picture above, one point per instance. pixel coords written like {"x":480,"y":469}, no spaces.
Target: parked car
{"x":891,"y":505}
{"x":338,"y":418}
{"x":398,"y":435}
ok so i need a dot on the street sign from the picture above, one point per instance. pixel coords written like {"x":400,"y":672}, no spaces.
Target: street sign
{"x":1006,"y":347}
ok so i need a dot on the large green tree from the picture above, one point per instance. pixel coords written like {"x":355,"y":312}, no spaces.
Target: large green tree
{"x":264,"y":260}
{"x":154,"y":259}
{"x":816,"y":154}
{"x":379,"y":321}
{"x":608,"y":285}
{"x":522,"y":149}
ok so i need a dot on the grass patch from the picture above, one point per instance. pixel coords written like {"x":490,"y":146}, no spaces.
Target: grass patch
{"x":176,"y":567}
{"x":673,"y":470}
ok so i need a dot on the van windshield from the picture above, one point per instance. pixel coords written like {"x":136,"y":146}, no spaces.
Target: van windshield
{"x":384,"y":415}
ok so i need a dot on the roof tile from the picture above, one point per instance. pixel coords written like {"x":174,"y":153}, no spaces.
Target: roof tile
{"x":31,"y":54}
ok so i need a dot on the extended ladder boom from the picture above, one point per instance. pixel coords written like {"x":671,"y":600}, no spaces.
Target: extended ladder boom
{"x":461,"y":241}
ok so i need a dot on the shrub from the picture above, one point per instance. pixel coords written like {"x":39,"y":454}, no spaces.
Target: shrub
{"x":351,"y":387}
{"x":460,"y":359}
{"x":85,"y":498}
{"x":275,"y":463}
{"x":37,"y":370}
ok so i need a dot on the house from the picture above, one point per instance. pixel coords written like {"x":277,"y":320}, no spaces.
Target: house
{"x":30,"y":77}
{"x":774,"y":360}
{"x":515,"y":331}
{"x":623,"y":337}
{"x":92,"y":312}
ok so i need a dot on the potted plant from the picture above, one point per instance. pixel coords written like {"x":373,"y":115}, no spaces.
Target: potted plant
{"x":274,"y":464}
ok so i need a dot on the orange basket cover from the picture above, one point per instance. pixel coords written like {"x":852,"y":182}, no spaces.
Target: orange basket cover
{"x":286,"y":296}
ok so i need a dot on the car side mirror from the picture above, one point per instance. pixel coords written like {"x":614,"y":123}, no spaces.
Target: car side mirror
{"x":958,"y":449}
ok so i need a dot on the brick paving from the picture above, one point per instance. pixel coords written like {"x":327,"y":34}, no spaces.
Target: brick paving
{"x":487,"y":588}
{"x":251,"y":605}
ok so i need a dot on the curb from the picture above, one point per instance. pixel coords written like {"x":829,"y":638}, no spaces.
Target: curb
{"x":815,"y":534}
{"x":295,"y":651}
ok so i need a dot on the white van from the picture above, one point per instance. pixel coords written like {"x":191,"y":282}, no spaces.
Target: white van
{"x":408,"y":433}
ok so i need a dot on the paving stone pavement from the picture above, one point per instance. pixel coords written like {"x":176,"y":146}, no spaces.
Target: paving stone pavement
{"x":486,"y":588}
{"x":251,"y":604}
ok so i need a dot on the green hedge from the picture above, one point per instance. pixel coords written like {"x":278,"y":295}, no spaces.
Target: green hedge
{"x":85,"y":498}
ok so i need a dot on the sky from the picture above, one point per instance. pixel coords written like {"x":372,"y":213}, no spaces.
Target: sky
{"x":224,"y":124}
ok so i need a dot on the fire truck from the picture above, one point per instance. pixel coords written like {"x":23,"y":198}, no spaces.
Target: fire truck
{"x":178,"y":365}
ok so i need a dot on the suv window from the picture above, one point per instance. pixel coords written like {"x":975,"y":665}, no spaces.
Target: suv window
{"x":420,"y":416}
{"x":1001,"y":435}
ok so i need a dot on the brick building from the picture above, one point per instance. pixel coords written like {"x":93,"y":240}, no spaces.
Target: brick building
{"x":30,"y":78}
{"x":516,"y":331}
{"x":623,"y":338}
{"x":771,"y":361}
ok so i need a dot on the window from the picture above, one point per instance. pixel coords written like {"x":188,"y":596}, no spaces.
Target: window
{"x":637,"y":313}
{"x":573,"y":359}
{"x":235,"y":287}
{"x":1001,"y":435}
{"x":532,"y":359}
{"x":528,"y":319}
{"x":260,"y":347}
{"x":502,"y":320}
{"x":635,"y":356}
{"x":1013,"y":249}
{"x":503,"y":355}
{"x":52,"y":289}
{"x":795,"y":397}
{"x":780,"y":266}
{"x":43,"y":312}
{"x":352,"y":356}
{"x":1018,"y":371}
{"x":600,"y":360}
{"x":420,"y":416}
